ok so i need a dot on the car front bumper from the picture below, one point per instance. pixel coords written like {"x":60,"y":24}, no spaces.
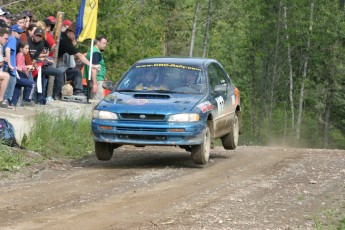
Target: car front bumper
{"x":148,"y":133}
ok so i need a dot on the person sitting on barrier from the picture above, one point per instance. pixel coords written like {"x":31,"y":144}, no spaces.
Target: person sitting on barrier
{"x":67,"y":45}
{"x":22,"y":79}
{"x":4,"y":77}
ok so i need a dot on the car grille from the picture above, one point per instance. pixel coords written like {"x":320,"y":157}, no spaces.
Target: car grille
{"x":141,"y":137}
{"x":138,"y":129}
{"x":137,"y":116}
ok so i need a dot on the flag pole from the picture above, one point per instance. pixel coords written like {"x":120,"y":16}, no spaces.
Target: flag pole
{"x":86,"y":26}
{"x":90,"y":69}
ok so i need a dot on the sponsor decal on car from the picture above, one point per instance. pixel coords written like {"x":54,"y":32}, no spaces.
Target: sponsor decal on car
{"x":220,"y":104}
{"x":168,"y":65}
{"x":137,"y":102}
{"x":233,"y":99}
{"x":205,"y":106}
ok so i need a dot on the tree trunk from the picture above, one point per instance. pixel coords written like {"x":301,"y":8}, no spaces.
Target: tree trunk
{"x":263,"y":107}
{"x":207,"y":29}
{"x":328,"y":108}
{"x":304,"y":75}
{"x":165,"y":45}
{"x":253,"y":90}
{"x":194,"y":29}
{"x":285,"y":123}
{"x":290,"y":72}
{"x":275,"y":65}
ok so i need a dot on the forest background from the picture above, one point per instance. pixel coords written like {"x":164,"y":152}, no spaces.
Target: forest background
{"x":286,"y":57}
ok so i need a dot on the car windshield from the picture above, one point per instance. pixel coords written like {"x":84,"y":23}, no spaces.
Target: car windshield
{"x":164,"y":78}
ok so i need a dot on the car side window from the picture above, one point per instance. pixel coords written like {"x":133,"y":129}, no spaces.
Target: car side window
{"x":223,"y":77}
{"x":213,"y":76}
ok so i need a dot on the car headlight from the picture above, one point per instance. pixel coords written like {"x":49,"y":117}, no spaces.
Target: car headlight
{"x":105,"y":115}
{"x":184,"y":117}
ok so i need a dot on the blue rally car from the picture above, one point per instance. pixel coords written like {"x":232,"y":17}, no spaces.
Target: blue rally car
{"x":185,"y":102}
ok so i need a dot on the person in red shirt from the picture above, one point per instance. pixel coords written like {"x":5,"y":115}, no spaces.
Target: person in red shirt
{"x":49,"y":42}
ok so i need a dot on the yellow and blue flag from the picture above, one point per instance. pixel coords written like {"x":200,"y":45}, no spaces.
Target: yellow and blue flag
{"x":87,"y":20}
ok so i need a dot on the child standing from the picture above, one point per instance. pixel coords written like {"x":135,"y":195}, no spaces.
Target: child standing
{"x":22,"y":78}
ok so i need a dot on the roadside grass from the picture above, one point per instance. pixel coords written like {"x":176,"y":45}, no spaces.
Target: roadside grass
{"x":331,"y":224}
{"x":342,"y":225}
{"x":10,"y":159}
{"x":51,"y":137}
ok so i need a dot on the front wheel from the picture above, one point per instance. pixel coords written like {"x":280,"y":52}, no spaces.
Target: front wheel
{"x":201,"y":153}
{"x":104,"y":151}
{"x":230,"y":140}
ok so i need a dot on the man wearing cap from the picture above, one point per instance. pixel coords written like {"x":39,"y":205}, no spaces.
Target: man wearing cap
{"x":19,"y":20}
{"x":65,"y":24}
{"x":6,"y":16}
{"x":52,"y":19}
{"x":36,"y":46}
{"x":67,"y":46}
{"x":10,"y":59}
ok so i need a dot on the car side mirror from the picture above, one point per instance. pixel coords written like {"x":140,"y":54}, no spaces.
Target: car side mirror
{"x":108,"y":85}
{"x":220,"y":88}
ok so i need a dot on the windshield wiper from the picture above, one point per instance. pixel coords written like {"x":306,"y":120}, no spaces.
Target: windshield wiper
{"x":162,"y":91}
{"x":126,"y":90}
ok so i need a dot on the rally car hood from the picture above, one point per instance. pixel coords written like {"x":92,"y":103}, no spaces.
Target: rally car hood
{"x":131,"y":102}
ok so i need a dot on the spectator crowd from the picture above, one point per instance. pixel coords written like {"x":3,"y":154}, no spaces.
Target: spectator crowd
{"x":28,"y":69}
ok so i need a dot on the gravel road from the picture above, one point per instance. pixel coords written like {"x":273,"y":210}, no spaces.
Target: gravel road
{"x":160,"y":188}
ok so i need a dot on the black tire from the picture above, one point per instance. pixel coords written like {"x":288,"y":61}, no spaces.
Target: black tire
{"x":104,"y":151}
{"x":188,"y":148}
{"x":230,"y":140}
{"x":201,"y":153}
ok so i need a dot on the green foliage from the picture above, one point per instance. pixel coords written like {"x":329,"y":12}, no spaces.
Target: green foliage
{"x":43,"y":9}
{"x":60,"y":137}
{"x":10,"y":160}
{"x":341,"y":225}
{"x":332,"y":221}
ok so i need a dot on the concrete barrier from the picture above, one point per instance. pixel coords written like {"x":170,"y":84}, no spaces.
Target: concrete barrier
{"x":23,"y":118}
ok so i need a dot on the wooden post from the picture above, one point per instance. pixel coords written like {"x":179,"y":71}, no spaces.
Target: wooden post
{"x":57,"y":35}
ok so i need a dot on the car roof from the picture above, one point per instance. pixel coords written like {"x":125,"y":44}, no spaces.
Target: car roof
{"x":177,"y":60}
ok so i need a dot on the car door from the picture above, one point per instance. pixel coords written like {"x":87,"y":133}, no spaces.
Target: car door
{"x":222,"y":92}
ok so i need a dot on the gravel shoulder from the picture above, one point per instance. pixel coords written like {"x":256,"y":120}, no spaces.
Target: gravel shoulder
{"x":160,"y":188}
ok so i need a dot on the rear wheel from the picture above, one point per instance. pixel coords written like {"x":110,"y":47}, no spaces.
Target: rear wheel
{"x":104,"y":151}
{"x":201,"y":153}
{"x":230,"y":140}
